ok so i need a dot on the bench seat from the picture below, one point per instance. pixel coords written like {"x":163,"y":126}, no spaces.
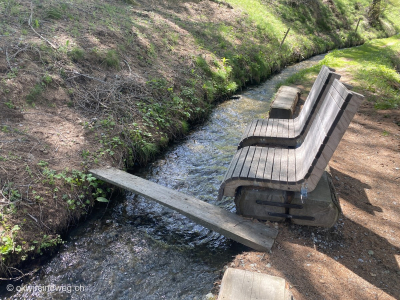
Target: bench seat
{"x":289,"y":132}
{"x":287,"y":169}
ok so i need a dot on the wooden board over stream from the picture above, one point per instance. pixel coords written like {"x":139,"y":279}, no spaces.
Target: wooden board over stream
{"x":255,"y":235}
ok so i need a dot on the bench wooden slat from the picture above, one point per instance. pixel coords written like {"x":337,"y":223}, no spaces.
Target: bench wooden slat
{"x":264,"y":127}
{"x":246,"y":132}
{"x":251,"y":128}
{"x":255,"y":163}
{"x":276,"y":164}
{"x":291,"y":166}
{"x":299,"y":167}
{"x":269,"y":163}
{"x":262,"y":162}
{"x":270,"y":125}
{"x":282,"y":128}
{"x":232,"y":165}
{"x":291,"y":128}
{"x":247,"y":163}
{"x":312,"y":145}
{"x":240,"y":162}
{"x":287,"y":129}
{"x":274,"y":128}
{"x":258,"y":128}
{"x":283,"y":176}
{"x":254,"y":128}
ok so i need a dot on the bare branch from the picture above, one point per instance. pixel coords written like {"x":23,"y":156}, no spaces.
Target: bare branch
{"x":84,"y":75}
{"x":30,"y":25}
{"x":22,"y":276}
{"x":8,"y":60}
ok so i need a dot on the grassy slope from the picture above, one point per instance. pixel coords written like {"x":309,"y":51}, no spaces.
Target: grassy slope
{"x":149,"y":70}
{"x":373,"y":68}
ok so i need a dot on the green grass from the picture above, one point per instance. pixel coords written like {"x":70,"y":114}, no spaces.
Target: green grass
{"x":372,"y":66}
{"x":34,"y":93}
{"x":76,"y":54}
{"x":112,"y":59}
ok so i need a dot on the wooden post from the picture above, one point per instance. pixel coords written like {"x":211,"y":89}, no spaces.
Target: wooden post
{"x":358,"y":24}
{"x":284,"y":37}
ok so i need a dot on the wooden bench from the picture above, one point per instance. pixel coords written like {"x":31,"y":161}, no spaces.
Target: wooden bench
{"x":288,"y":169}
{"x":289,"y":132}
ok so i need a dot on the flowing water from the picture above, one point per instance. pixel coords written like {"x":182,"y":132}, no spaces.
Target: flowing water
{"x":137,"y":249}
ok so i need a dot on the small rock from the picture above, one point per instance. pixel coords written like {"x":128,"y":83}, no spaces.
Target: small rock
{"x":321,"y":281}
{"x":360,"y":260}
{"x":337,"y":178}
{"x":370,"y":252}
{"x":209,"y":296}
{"x":373,"y":275}
{"x":268,"y":265}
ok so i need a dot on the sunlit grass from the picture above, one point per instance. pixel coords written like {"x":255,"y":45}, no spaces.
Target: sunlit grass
{"x":372,"y":67}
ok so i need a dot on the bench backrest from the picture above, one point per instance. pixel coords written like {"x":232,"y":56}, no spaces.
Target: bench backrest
{"x":327,"y":129}
{"x":318,"y":91}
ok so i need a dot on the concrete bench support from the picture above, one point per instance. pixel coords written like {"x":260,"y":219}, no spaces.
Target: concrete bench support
{"x":246,"y":285}
{"x":284,"y":103}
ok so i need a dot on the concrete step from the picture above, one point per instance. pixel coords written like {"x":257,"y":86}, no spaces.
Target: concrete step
{"x":246,"y":285}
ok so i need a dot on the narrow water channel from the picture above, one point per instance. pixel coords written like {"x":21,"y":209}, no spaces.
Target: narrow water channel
{"x":137,"y":249}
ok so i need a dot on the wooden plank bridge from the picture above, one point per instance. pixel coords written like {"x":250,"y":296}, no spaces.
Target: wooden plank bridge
{"x":254,"y":235}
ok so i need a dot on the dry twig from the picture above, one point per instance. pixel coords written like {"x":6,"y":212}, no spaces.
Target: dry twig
{"x":33,"y":29}
{"x":22,"y":276}
{"x":8,"y":60}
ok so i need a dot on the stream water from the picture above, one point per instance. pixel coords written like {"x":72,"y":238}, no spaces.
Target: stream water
{"x":137,"y":249}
